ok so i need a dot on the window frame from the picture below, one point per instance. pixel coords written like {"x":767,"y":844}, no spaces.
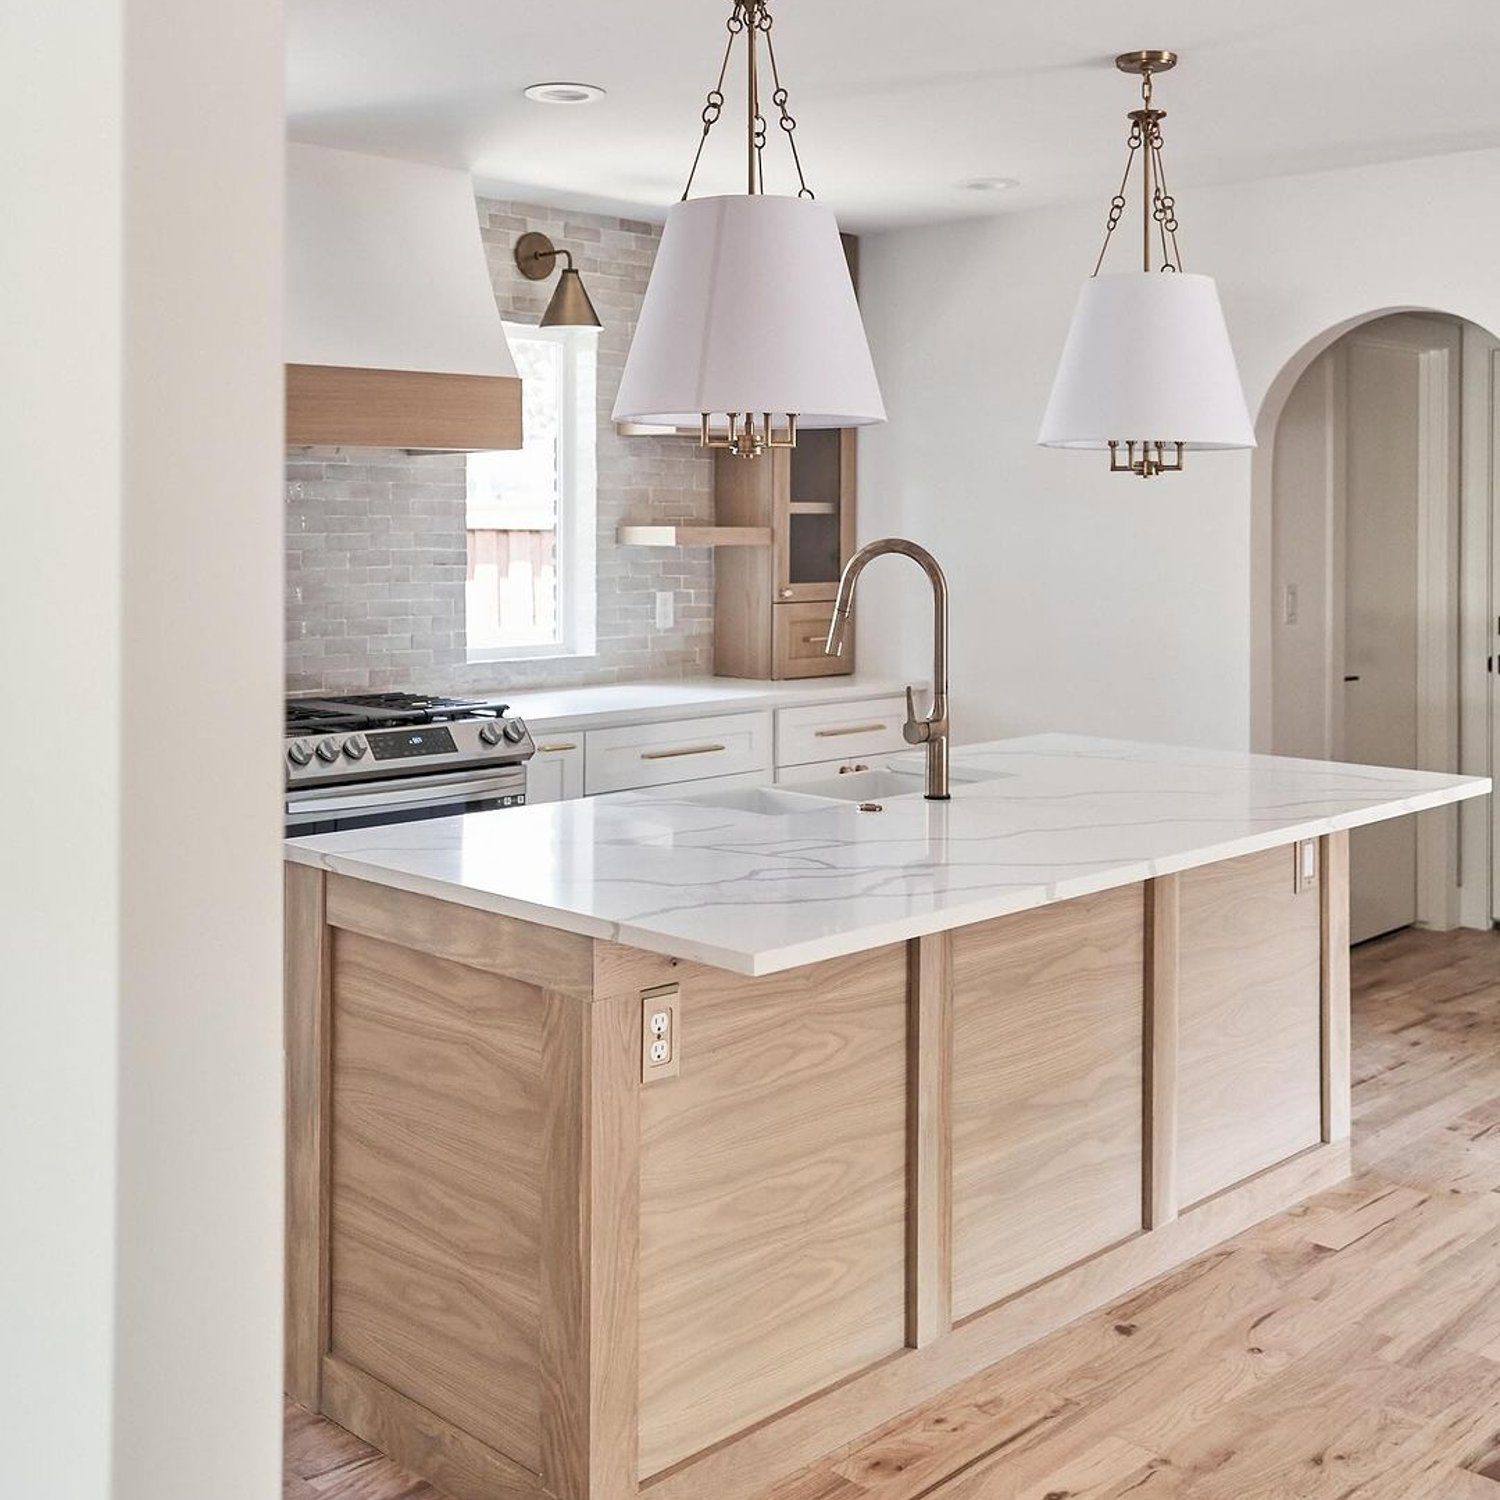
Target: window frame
{"x":576,"y":532}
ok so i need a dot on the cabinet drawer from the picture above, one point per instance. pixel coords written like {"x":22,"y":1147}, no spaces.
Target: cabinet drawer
{"x":638,"y":755}
{"x":839,"y":731}
{"x":798,"y":634}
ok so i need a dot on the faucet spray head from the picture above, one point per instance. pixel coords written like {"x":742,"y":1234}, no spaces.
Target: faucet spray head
{"x":837,"y":628}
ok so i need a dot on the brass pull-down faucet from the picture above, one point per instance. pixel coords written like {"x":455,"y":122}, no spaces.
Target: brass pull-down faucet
{"x":930,"y":729}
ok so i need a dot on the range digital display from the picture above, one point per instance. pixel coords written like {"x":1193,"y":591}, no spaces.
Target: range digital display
{"x":402,"y":744}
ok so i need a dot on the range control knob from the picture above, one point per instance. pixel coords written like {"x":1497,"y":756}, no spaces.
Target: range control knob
{"x":489,"y":732}
{"x":355,"y":746}
{"x":514,"y":731}
{"x":299,"y":752}
{"x":328,"y":750}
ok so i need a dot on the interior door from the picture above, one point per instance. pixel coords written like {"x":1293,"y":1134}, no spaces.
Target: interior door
{"x":1381,"y":616}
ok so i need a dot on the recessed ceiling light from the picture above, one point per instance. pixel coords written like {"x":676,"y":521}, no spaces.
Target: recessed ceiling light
{"x":564,"y":93}
{"x":991,"y":184}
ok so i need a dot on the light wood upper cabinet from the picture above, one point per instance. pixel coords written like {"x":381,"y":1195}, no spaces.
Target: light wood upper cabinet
{"x":773,"y":604}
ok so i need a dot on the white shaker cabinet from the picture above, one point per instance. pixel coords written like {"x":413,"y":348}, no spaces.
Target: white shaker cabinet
{"x":555,"y":772}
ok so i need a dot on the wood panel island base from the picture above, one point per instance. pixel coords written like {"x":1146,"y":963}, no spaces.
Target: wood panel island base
{"x":662,"y":1143}
{"x":522,"y":1264}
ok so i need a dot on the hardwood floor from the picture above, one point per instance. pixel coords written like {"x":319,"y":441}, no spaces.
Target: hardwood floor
{"x":1349,"y":1348}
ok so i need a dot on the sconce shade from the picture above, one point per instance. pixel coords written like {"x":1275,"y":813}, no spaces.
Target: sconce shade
{"x":1147,"y":359}
{"x":750,"y":309}
{"x":570,"y":306}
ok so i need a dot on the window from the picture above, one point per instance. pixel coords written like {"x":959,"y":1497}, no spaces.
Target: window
{"x":531,"y":511}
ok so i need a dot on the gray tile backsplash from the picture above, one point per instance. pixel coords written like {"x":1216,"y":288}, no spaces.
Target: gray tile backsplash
{"x":376,"y":546}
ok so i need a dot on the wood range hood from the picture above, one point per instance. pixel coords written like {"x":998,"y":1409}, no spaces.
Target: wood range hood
{"x":393,"y":339}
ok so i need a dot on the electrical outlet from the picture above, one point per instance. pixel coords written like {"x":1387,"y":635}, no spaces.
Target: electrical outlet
{"x":664,"y":609}
{"x":1305,"y":877}
{"x":660,"y":1039}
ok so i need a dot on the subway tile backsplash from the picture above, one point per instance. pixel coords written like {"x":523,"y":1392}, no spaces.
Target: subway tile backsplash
{"x":376,"y":545}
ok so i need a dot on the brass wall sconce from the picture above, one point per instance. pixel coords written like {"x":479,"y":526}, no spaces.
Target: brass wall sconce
{"x":570,"y":306}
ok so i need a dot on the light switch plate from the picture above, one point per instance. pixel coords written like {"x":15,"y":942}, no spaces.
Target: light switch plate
{"x":665,"y":604}
{"x":1306,"y":876}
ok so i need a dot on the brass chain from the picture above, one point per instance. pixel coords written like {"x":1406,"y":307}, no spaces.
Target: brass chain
{"x":1117,"y":204}
{"x":788,"y":120}
{"x":762,"y":23}
{"x":713,"y":106}
{"x":1164,"y":209}
{"x":1146,"y":137}
{"x":750,"y":19}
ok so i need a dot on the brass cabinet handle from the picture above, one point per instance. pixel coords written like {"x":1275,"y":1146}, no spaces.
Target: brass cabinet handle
{"x":833,"y":734}
{"x":815,"y":640}
{"x":553,"y":749}
{"x":685,"y":750}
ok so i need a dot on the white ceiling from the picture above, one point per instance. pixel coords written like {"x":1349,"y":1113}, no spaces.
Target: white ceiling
{"x":897,"y":104}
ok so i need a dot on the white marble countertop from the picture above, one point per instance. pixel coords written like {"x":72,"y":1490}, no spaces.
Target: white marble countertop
{"x":758,"y":893}
{"x":550,"y":711}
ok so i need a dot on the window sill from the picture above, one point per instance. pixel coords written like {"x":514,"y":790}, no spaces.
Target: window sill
{"x":529,"y":653}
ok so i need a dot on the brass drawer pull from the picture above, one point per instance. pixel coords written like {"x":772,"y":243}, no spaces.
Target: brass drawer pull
{"x":553,"y":749}
{"x":686,"y":750}
{"x":833,"y":734}
{"x":815,"y":640}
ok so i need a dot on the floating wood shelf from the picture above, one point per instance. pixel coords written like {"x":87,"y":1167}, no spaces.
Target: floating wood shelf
{"x":813,"y":508}
{"x":694,"y":536}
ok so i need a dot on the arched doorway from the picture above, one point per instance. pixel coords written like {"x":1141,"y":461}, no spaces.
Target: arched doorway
{"x":1379,"y":605}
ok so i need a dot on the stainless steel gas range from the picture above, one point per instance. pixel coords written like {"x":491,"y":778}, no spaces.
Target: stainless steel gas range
{"x":371,"y":758}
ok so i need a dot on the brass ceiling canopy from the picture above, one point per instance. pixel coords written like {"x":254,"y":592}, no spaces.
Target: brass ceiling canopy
{"x":570,"y":306}
{"x":1146,"y":61}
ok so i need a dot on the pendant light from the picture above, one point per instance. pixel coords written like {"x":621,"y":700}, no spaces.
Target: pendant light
{"x":749,"y":328}
{"x":1147,"y":370}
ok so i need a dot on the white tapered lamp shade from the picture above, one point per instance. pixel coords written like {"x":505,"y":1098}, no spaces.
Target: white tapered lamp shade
{"x":750,"y":309}
{"x":1147,"y":360}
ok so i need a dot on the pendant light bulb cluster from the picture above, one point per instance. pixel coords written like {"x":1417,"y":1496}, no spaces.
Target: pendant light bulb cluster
{"x":749,"y":328}
{"x":1147,"y":371}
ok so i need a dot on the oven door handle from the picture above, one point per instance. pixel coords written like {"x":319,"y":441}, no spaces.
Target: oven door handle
{"x":326,"y":801}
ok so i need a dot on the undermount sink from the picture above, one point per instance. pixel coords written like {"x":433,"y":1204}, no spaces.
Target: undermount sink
{"x":877,"y":785}
{"x":769,"y":801}
{"x":807,"y":796}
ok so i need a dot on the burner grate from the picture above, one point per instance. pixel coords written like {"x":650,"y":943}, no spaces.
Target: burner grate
{"x":362,"y":711}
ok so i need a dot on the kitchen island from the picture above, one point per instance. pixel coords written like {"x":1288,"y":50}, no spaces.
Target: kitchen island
{"x":660,"y":1143}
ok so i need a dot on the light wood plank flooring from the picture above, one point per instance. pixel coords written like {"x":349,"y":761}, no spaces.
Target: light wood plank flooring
{"x":1349,"y":1348}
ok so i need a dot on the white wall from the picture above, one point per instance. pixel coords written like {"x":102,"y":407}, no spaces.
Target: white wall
{"x":139,"y":870}
{"x":1307,"y":478}
{"x":1106,"y":603}
{"x":59,"y":859}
